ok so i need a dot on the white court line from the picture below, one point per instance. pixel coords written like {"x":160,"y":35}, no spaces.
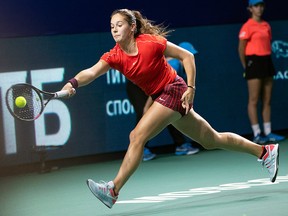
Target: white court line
{"x":163,"y":197}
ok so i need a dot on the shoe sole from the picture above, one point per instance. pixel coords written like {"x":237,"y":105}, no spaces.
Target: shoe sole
{"x":261,"y":142}
{"x":96,"y":195}
{"x":150,"y":158}
{"x":275,"y":140}
{"x":277,"y":163}
{"x":186,"y":153}
{"x":193,"y":152}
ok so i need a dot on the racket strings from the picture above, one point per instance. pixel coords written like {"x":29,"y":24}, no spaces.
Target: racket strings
{"x":33,"y":106}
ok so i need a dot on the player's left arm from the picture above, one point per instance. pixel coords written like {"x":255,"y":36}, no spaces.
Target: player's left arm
{"x":188,"y":61}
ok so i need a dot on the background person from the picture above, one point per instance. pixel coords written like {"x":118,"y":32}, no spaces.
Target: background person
{"x":255,"y":55}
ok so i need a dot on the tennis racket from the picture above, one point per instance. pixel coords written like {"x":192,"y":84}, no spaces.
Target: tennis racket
{"x":35,"y":100}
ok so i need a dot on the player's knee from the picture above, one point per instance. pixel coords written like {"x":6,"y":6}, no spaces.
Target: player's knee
{"x":135,"y":138}
{"x":132,"y":136}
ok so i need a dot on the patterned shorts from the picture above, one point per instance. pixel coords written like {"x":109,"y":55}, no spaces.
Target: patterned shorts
{"x":171,"y":95}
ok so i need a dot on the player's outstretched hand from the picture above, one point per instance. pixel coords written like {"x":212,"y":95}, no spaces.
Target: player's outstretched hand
{"x":70,"y":89}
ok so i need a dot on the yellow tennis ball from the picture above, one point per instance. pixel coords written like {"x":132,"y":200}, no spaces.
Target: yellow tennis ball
{"x":20,"y":102}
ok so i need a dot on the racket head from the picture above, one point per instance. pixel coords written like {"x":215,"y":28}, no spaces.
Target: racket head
{"x":34,"y":102}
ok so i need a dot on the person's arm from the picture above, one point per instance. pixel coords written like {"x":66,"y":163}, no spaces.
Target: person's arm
{"x":241,"y":51}
{"x":148,"y":103}
{"x":188,"y":61}
{"x":86,"y":76}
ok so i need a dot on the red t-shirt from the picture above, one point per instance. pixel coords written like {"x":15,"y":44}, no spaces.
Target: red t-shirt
{"x":148,"y":69}
{"x":258,"y":36}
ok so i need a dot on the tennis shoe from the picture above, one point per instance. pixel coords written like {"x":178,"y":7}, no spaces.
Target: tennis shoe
{"x":274,"y":137}
{"x":148,"y":155}
{"x":103,"y":191}
{"x":260,"y":139}
{"x":186,"y":149}
{"x":271,"y":160}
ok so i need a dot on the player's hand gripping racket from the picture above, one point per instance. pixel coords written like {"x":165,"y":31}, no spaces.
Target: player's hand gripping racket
{"x":26,"y":102}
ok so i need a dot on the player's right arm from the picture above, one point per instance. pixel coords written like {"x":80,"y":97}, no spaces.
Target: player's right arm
{"x":88,"y":75}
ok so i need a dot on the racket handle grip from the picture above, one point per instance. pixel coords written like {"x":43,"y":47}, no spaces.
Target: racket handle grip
{"x":61,"y":94}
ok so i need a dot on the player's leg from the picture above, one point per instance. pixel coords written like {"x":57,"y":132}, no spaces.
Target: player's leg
{"x":198,"y":129}
{"x":154,"y":121}
{"x":151,"y":124}
{"x":137,"y":98}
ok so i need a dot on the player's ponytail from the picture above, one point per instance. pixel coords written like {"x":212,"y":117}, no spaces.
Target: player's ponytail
{"x":143,"y":25}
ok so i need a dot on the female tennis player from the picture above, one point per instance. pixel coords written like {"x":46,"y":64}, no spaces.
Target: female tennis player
{"x":139,"y":54}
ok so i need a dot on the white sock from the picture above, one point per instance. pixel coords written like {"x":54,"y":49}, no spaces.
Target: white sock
{"x":256,"y":129}
{"x":111,"y":184}
{"x":267,"y":128}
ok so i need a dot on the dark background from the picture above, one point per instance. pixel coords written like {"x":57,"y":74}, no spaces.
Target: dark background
{"x":36,"y":17}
